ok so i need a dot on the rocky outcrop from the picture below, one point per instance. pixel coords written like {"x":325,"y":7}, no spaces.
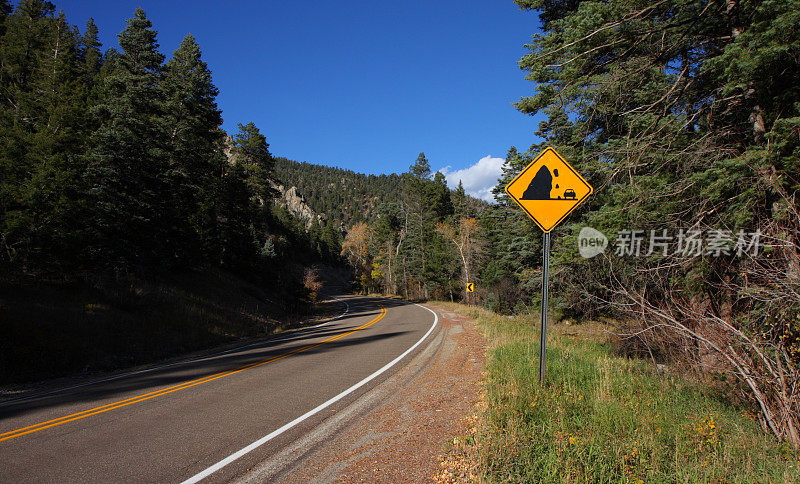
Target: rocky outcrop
{"x":290,"y":199}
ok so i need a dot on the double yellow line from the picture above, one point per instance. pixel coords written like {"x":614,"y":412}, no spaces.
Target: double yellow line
{"x":164,"y":391}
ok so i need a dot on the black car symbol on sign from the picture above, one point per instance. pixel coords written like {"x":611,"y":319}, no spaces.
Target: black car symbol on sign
{"x":569,"y":193}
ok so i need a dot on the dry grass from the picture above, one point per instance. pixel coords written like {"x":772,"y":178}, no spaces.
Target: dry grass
{"x":602,"y":418}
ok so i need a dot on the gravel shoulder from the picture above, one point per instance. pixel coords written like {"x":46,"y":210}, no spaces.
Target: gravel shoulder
{"x":399,"y":431}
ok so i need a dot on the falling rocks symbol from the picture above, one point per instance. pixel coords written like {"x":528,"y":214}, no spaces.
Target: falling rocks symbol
{"x":540,"y":186}
{"x":548,"y":189}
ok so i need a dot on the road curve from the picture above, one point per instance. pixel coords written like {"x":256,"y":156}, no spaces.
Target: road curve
{"x":210,"y":418}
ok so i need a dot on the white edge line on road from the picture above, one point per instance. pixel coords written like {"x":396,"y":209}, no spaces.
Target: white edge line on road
{"x":282,"y":336}
{"x":263,"y":440}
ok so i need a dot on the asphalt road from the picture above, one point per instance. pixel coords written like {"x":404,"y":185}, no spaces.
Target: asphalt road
{"x":211,"y":418}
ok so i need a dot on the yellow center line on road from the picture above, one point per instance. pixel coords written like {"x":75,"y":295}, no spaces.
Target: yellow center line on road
{"x":164,"y":391}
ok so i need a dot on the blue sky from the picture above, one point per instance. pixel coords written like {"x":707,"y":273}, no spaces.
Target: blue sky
{"x":361,"y":85}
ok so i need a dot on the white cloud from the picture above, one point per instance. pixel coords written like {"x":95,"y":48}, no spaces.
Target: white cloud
{"x":478,"y":179}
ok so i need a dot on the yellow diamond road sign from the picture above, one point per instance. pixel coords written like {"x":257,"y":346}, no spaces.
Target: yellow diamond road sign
{"x":548,"y":189}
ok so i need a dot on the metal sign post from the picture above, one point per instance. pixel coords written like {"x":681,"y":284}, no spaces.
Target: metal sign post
{"x":548,"y":190}
{"x":545,"y":281}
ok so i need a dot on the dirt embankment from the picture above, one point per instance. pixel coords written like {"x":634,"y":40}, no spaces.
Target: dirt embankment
{"x":83,"y":329}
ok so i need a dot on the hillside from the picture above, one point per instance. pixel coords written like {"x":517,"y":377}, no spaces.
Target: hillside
{"x":343,"y":196}
{"x":131,"y":227}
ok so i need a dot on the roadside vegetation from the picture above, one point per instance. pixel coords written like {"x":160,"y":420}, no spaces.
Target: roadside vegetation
{"x":603,"y":417}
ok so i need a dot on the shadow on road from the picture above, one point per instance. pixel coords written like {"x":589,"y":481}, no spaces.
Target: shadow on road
{"x":361,"y":310}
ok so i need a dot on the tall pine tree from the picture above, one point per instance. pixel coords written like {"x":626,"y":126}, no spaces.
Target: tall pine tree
{"x":196,"y":144}
{"x":129,"y":171}
{"x":42,"y":117}
{"x":251,"y":150}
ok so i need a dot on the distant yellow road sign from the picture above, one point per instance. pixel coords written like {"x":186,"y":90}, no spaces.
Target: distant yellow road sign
{"x":471,"y":287}
{"x":548,"y":189}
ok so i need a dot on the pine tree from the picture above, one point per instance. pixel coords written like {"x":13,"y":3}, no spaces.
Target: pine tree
{"x":56,"y":147}
{"x":460,"y":202}
{"x":417,"y":225}
{"x":42,"y":119}
{"x":439,"y":199}
{"x":425,"y":202}
{"x":511,"y":167}
{"x":129,"y":164}
{"x":196,"y":145}
{"x":24,"y":46}
{"x":332,"y":240}
{"x":421,"y":169}
{"x":251,"y":150}
{"x":92,"y":56}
